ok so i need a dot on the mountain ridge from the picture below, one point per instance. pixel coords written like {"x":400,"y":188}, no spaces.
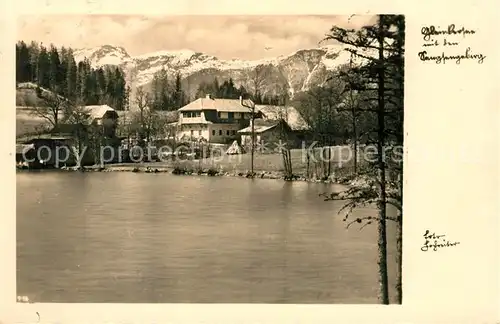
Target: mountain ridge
{"x":296,"y":71}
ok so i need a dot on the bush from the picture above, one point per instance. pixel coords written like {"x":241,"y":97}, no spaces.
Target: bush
{"x":182,"y":170}
{"x":212,"y":172}
{"x":178,"y":170}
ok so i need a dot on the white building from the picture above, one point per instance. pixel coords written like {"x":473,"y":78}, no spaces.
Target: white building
{"x":214,"y":120}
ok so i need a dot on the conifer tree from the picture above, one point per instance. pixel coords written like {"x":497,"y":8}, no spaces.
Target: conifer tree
{"x":101,"y":85}
{"x":23,"y":63}
{"x":43,"y":68}
{"x":34,"y":52}
{"x":54,"y":73}
{"x":178,"y":96}
{"x":71,"y":77}
{"x":119,"y":89}
{"x":381,"y":76}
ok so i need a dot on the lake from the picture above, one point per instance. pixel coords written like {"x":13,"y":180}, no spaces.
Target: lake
{"x":160,"y":238}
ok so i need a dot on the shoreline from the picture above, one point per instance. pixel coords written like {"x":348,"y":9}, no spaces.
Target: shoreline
{"x":211,"y":172}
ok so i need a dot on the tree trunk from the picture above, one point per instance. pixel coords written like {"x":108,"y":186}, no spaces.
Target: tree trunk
{"x":354,"y":128}
{"x":399,"y":249}
{"x":354,"y":135}
{"x":355,"y":155}
{"x":253,"y":138}
{"x":329,"y":160}
{"x":399,"y":275}
{"x":308,"y":174}
{"x":128,"y":146}
{"x":382,"y":229}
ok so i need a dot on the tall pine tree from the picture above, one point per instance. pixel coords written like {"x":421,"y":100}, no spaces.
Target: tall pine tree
{"x":119,"y":90}
{"x":54,"y":73}
{"x":71,"y":77}
{"x":34,"y":50}
{"x":23,"y":63}
{"x":43,"y":68}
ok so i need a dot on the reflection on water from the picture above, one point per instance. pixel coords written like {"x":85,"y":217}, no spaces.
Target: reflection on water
{"x":125,"y":237}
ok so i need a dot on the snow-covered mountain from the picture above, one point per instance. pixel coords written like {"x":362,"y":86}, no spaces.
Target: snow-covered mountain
{"x":104,"y":55}
{"x":297,"y":71}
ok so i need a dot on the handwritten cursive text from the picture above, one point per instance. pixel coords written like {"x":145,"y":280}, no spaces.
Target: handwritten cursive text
{"x":433,"y":242}
{"x":457,"y":58}
{"x":427,"y":32}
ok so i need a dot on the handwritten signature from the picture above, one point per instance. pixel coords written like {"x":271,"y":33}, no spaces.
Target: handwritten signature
{"x":433,"y":242}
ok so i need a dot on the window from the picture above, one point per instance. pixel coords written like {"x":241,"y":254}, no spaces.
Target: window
{"x":192,"y":114}
{"x":234,"y":132}
{"x":213,"y":132}
{"x":199,"y":132}
{"x":230,"y":115}
{"x":220,"y":132}
{"x":192,"y":132}
{"x":227,"y":132}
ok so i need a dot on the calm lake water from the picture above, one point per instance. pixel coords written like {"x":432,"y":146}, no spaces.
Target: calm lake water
{"x":160,"y":238}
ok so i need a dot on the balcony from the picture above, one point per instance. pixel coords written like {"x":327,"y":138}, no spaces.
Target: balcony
{"x":193,"y":120}
{"x":228,"y":121}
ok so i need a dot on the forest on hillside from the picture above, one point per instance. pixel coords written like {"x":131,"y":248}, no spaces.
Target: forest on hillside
{"x":228,"y":90}
{"x":55,"y":69}
{"x":167,"y":92}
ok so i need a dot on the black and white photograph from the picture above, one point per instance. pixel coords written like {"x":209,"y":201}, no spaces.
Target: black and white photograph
{"x":216,"y":159}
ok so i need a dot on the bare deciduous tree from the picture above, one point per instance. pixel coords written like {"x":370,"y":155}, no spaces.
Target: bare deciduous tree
{"x":52,"y":107}
{"x":76,"y":114}
{"x":143,"y":104}
{"x":256,"y":80}
{"x":148,"y":122}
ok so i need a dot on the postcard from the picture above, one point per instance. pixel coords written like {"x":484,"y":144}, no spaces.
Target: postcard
{"x":244,"y":162}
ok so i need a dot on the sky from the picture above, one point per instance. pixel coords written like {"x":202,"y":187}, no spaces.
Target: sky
{"x":226,"y":37}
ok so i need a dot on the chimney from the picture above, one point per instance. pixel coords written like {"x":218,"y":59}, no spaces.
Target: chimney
{"x":208,"y":96}
{"x":241,"y":100}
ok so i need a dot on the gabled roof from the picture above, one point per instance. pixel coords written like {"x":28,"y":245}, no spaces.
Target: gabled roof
{"x":224,"y":105}
{"x":261,"y":125}
{"x":98,"y":111}
{"x":292,"y":117}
